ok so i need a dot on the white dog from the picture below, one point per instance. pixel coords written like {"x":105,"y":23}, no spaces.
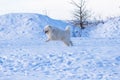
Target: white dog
{"x":54,"y":33}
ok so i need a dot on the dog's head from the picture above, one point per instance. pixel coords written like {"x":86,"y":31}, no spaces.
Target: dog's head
{"x":47,"y":29}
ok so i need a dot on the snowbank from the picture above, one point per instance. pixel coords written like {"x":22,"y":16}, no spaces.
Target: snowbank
{"x":25,"y":25}
{"x":108,"y":29}
{"x":30,"y":26}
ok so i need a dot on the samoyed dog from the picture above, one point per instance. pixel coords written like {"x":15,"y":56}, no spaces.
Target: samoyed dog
{"x":54,"y":33}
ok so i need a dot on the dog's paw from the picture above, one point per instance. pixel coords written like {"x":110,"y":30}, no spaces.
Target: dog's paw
{"x":47,"y":40}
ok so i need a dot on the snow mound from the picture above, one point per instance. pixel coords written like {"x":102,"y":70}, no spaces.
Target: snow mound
{"x":108,"y":29}
{"x":25,"y":25}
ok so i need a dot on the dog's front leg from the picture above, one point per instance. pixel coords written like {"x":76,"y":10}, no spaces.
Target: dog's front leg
{"x":47,"y":40}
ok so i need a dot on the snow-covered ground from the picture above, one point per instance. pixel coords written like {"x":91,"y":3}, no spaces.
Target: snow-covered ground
{"x":29,"y":57}
{"x":88,"y":59}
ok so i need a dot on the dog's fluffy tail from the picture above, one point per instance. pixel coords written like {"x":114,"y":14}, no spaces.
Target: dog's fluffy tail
{"x":67,"y":29}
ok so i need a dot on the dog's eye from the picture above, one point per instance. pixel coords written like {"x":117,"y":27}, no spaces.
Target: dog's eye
{"x":46,"y":31}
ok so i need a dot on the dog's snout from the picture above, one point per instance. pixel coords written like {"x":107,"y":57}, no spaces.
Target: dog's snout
{"x":46,"y":31}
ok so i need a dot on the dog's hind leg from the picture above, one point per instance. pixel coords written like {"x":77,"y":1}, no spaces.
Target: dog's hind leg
{"x":71,"y":43}
{"x":66,"y":43}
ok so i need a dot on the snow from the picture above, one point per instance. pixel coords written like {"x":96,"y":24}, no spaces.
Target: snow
{"x":107,"y":29}
{"x":26,"y":25}
{"x":26,"y":56}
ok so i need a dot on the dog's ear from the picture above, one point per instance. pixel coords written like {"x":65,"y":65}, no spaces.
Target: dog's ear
{"x":50,"y":26}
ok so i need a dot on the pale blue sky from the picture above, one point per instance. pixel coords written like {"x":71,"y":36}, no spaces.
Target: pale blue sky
{"x":59,"y":9}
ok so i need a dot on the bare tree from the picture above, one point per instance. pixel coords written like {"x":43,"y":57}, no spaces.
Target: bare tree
{"x":81,"y":14}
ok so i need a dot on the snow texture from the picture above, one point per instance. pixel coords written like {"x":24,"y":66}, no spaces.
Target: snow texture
{"x":107,"y":29}
{"x":24,"y":54}
{"x":20,"y":26}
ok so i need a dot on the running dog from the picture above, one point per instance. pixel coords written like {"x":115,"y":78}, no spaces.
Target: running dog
{"x":54,"y":33}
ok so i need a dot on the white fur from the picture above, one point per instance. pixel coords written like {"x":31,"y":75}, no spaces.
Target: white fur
{"x":54,"y":33}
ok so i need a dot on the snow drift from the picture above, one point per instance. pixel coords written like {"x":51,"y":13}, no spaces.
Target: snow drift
{"x":25,"y":25}
{"x":109,"y":29}
{"x":30,"y":26}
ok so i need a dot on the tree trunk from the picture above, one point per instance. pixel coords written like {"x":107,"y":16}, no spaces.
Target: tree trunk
{"x":81,"y":25}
